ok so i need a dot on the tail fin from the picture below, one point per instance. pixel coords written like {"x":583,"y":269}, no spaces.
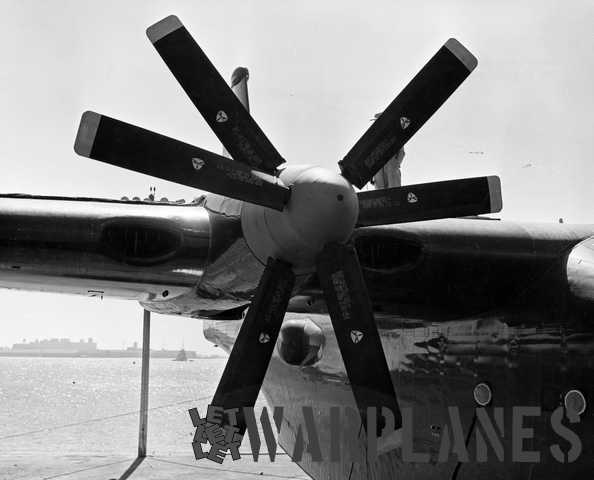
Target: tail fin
{"x":239,"y":79}
{"x":390,"y":175}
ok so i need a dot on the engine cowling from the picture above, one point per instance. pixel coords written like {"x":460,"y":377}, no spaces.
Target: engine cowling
{"x":301,"y":342}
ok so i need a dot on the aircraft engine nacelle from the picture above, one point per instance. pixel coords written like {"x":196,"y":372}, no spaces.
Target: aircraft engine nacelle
{"x":580,"y":270}
{"x":300,"y":342}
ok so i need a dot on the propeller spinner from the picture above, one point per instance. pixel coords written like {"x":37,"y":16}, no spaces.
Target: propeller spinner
{"x":297,"y":219}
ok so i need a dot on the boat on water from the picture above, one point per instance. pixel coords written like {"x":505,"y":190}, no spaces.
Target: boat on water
{"x":181,"y":356}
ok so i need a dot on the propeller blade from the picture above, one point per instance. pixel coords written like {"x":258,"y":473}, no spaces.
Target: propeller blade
{"x":419,"y":100}
{"x":245,"y":370}
{"x":239,"y":87}
{"x":428,"y":201}
{"x":124,"y":145}
{"x":355,"y":328}
{"x":224,"y":113}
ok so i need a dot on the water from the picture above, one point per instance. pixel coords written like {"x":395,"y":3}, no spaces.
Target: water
{"x":73,"y":406}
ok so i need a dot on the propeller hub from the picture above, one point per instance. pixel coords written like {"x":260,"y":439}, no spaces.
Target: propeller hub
{"x":323,"y":207}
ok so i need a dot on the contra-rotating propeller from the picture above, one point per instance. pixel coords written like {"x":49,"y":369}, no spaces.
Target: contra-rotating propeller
{"x":298,"y":219}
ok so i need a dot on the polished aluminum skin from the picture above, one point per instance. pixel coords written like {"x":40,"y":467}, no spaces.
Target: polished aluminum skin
{"x":143,"y":251}
{"x":458,"y":303}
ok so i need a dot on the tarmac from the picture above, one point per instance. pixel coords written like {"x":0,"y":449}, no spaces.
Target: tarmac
{"x":157,"y":467}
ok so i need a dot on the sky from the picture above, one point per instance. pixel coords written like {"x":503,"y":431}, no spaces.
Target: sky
{"x":318,"y":72}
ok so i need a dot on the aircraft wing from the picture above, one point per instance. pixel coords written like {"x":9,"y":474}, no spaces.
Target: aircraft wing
{"x":503,"y":296}
{"x":191,"y":259}
{"x":139,"y":250}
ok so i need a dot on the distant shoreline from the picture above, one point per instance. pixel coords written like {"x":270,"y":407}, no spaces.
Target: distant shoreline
{"x":107,"y":354}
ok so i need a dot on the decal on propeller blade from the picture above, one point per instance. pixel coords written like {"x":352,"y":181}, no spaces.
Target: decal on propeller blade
{"x":247,"y":151}
{"x":342,"y":294}
{"x":264,"y":338}
{"x":222,"y":116}
{"x":197,"y":163}
{"x":356,"y":336}
{"x":378,"y":152}
{"x":379,"y":202}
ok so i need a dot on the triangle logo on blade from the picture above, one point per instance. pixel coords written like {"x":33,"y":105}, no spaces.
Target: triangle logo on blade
{"x":356,"y":336}
{"x":222,"y":116}
{"x":404,"y":122}
{"x":411,"y":198}
{"x":264,"y":338}
{"x":197,"y":163}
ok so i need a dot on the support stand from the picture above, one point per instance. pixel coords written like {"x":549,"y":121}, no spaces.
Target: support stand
{"x":144,"y":384}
